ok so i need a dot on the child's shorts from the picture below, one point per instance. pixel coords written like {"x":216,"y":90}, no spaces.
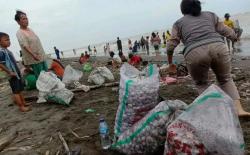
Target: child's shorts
{"x":16,"y":85}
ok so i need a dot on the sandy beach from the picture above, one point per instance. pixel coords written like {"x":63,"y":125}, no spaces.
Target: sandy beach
{"x":146,"y":114}
{"x":38,"y":129}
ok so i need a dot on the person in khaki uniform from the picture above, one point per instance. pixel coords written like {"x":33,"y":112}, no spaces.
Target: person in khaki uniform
{"x":200,"y":33}
{"x":32,"y":51}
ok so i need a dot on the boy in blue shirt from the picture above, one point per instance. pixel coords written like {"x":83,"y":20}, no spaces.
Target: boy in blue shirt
{"x":8,"y":64}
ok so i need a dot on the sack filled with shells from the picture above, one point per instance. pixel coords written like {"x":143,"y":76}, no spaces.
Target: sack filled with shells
{"x":181,"y":139}
{"x":147,"y":135}
{"x":209,"y":125}
{"x":138,"y":94}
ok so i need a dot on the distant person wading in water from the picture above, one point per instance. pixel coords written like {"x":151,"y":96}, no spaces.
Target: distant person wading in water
{"x":130,"y":45}
{"x":200,"y":32}
{"x":147,"y":44}
{"x":90,"y":50}
{"x":57,"y":52}
{"x":119,"y":45}
{"x":95,"y":51}
{"x":156,"y":41}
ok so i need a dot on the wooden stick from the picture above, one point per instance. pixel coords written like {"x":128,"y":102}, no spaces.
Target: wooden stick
{"x":77,"y":136}
{"x":111,"y":84}
{"x":7,"y":140}
{"x":83,"y":137}
{"x":58,"y":152}
{"x":47,"y":152}
{"x":51,"y":138}
{"x":23,"y":148}
{"x":64,"y":143}
{"x":97,"y":86}
{"x":18,"y":141}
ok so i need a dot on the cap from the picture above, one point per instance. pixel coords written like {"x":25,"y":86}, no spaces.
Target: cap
{"x":227,"y":15}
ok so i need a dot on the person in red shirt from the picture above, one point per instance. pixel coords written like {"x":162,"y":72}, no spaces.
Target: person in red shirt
{"x":84,"y":58}
{"x":135,"y":60}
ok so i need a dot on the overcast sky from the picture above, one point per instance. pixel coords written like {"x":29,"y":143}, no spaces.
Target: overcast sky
{"x":70,"y":24}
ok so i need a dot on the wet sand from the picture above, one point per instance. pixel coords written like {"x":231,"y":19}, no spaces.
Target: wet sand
{"x":39,"y":128}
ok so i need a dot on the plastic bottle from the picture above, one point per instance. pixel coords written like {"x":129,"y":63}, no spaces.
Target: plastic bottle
{"x":104,"y":134}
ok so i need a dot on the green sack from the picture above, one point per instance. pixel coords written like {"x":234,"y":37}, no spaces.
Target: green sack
{"x":87,"y":67}
{"x":30,"y":81}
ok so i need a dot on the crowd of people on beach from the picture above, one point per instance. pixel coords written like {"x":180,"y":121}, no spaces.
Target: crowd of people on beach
{"x":200,"y":31}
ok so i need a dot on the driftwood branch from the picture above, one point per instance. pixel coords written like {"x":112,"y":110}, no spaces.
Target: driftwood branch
{"x":58,"y":152}
{"x":66,"y":147}
{"x":81,"y":137}
{"x":47,"y":152}
{"x":97,"y":86}
{"x":22,"y":148}
{"x":5,"y":141}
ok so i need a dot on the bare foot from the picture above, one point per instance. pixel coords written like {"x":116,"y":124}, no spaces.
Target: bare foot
{"x":242,"y":113}
{"x":25,"y":109}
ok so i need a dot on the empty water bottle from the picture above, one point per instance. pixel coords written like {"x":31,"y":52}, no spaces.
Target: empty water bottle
{"x":104,"y":134}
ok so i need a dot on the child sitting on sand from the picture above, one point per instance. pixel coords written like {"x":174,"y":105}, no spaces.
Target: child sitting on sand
{"x":9,"y":65}
{"x":122,"y":57}
{"x":115,"y":60}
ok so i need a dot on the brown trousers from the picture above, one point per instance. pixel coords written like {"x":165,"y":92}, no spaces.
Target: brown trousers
{"x":216,"y":57}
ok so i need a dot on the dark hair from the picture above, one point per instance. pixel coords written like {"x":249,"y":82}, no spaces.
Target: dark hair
{"x":111,"y":54}
{"x":191,"y":7}
{"x":18,"y":15}
{"x":2,"y":34}
{"x":153,"y":34}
